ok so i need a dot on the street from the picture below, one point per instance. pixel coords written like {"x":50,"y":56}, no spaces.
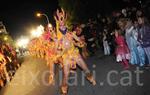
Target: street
{"x":32,"y":79}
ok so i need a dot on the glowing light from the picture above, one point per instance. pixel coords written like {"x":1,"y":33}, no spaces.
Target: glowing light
{"x":38,"y":14}
{"x":37,"y":32}
{"x":23,"y":42}
{"x":5,"y":38}
{"x":50,"y":25}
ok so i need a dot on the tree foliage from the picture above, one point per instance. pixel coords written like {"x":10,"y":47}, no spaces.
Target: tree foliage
{"x":72,"y":8}
{"x":6,"y":38}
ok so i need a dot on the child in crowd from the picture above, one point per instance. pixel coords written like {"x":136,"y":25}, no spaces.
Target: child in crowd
{"x":122,"y":51}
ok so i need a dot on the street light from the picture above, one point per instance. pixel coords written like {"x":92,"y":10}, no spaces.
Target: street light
{"x":41,"y":14}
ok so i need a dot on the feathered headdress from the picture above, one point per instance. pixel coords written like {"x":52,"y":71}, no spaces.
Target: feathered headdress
{"x":60,"y":19}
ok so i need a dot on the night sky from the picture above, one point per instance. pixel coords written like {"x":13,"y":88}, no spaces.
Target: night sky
{"x":19,"y":16}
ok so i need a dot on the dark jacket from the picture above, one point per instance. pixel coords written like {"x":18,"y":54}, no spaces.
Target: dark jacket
{"x":144,"y":35}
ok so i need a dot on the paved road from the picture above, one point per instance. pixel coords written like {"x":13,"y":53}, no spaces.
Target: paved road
{"x":31,"y":79}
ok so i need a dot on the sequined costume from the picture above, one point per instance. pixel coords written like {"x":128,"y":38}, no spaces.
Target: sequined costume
{"x":3,"y":72}
{"x":66,"y":42}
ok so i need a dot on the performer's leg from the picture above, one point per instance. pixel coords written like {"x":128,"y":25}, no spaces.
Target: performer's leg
{"x":66,"y":71}
{"x":51,"y":76}
{"x":6,"y":74}
{"x":84,"y":52}
{"x":1,"y":80}
{"x":83,"y":66}
{"x":1,"y":83}
{"x":126,"y":64}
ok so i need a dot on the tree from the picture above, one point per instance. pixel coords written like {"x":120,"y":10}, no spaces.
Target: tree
{"x":72,"y":8}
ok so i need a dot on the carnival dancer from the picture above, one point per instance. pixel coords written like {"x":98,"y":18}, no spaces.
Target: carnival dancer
{"x":83,"y":50}
{"x":50,"y":51}
{"x":69,"y":53}
{"x":2,"y":63}
{"x":44,"y":47}
{"x":3,"y":72}
{"x":122,"y":51}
